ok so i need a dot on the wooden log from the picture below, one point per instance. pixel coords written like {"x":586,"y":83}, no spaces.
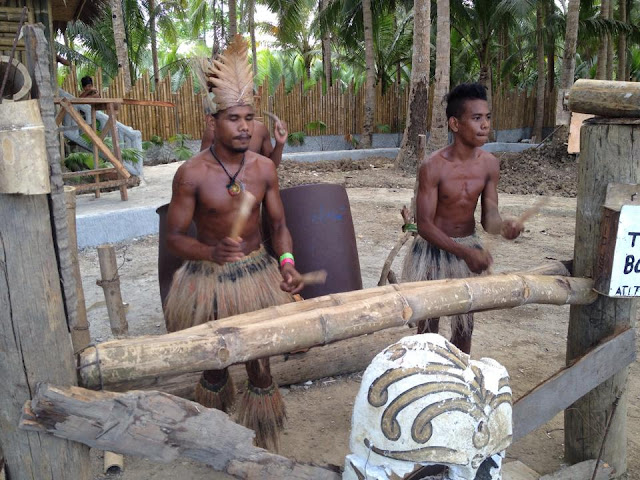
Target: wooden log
{"x":87,"y":187}
{"x":110,"y":284}
{"x":88,"y":173}
{"x":339,"y":358}
{"x":80,"y":336}
{"x":159,"y":427}
{"x":610,"y":153}
{"x":216,"y":345}
{"x":555,"y":394}
{"x":605,"y":98}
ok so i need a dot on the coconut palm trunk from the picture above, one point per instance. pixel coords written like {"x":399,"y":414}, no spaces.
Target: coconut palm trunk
{"x":601,"y":70}
{"x":326,"y":50}
{"x":568,"y":60}
{"x":233,"y":19}
{"x":120,"y":38}
{"x":251,"y":5}
{"x":539,"y":117}
{"x":370,"y":85}
{"x":622,"y":42}
{"x":153,"y":36}
{"x":407,"y":158}
{"x":439,"y":135}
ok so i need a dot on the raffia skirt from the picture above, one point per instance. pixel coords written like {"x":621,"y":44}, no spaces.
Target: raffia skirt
{"x":428,"y":262}
{"x":203,"y":291}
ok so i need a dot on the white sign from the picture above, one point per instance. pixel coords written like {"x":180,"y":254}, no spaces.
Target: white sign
{"x":625,"y":273}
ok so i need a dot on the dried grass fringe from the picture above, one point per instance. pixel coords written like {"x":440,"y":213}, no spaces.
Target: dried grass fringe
{"x":219,"y":397}
{"x":263,"y":411}
{"x":202,"y":291}
{"x":428,"y":262}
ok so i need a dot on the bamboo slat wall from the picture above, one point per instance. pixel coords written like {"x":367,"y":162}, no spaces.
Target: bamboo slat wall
{"x":341,"y":111}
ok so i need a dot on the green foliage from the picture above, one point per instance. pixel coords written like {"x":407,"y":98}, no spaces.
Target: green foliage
{"x":78,"y":161}
{"x":130,"y":155}
{"x":383,"y":128}
{"x":181,"y":151}
{"x":316,"y":125}
{"x":295,"y":139}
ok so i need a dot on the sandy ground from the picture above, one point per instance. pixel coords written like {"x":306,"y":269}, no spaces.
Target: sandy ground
{"x":529,"y":341}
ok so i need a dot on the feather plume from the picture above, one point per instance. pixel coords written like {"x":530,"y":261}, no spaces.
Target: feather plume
{"x":200,"y":66}
{"x":232,"y":76}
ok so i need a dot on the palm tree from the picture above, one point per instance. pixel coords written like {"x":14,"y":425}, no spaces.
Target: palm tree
{"x":419,"y":91}
{"x":439,"y":135}
{"x":120,"y":37}
{"x":568,"y":59}
{"x":233,"y":19}
{"x":370,"y":85}
{"x":622,"y":42}
{"x":326,"y":47}
{"x":539,"y":115}
{"x":601,"y":72}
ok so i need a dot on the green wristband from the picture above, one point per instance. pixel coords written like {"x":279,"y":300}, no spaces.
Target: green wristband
{"x":286,"y":255}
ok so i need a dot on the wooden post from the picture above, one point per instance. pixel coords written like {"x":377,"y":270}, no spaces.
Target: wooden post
{"x":96,"y":156}
{"x":110,"y":283}
{"x":80,"y":336}
{"x":610,"y":153}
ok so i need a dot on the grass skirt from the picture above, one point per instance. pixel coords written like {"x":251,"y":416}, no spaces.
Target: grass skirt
{"x":428,"y":262}
{"x":202,"y":291}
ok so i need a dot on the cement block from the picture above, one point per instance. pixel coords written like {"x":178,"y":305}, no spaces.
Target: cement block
{"x":582,"y":471}
{"x":518,"y":471}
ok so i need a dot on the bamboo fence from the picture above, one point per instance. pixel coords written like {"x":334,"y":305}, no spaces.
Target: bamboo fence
{"x":340,"y":110}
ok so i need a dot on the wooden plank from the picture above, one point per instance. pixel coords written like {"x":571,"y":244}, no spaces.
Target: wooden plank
{"x":88,"y":101}
{"x":555,"y":394}
{"x":88,"y":187}
{"x":148,"y":103}
{"x":159,"y":427}
{"x":88,"y":173}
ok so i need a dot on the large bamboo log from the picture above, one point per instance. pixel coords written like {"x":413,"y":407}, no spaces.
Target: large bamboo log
{"x":159,"y":427}
{"x":216,"y":345}
{"x":339,"y":358}
{"x":605,"y":98}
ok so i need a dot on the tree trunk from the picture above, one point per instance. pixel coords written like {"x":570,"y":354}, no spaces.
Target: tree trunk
{"x":605,"y":98}
{"x":610,"y":153}
{"x":120,"y":38}
{"x":154,"y":40}
{"x":551,"y":54}
{"x":326,"y":50}
{"x":622,"y":43}
{"x":439,"y":135}
{"x":233,"y":19}
{"x":268,"y":332}
{"x":601,"y":70}
{"x":610,"y":45}
{"x":370,"y":84}
{"x":568,"y":61}
{"x":252,"y":32}
{"x":160,"y":427}
{"x":485,"y":78}
{"x":418,"y":107}
{"x":540,"y":90}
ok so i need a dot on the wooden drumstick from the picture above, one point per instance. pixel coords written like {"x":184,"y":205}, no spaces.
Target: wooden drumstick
{"x":247,"y":201}
{"x":318,"y":277}
{"x":277,"y":121}
{"x":530,"y":212}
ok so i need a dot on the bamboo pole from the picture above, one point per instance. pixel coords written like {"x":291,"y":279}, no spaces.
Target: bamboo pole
{"x":80,"y":336}
{"x":212,"y":346}
{"x":110,"y":283}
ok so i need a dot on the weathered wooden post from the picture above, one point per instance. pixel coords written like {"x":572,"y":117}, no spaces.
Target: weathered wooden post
{"x":35,"y":344}
{"x":610,"y":153}
{"x":110,"y":283}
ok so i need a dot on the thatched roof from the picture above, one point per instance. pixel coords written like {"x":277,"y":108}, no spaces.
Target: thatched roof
{"x":68,"y":10}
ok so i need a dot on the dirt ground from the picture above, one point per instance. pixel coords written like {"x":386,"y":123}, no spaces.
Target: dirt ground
{"x":529,"y":341}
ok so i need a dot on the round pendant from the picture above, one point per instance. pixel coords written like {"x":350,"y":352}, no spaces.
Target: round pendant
{"x":235,"y":188}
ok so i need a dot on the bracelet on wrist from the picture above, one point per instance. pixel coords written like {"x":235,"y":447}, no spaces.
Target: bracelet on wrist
{"x":287,"y":257}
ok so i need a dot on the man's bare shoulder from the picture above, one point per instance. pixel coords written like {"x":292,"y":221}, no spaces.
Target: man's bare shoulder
{"x":192,"y":171}
{"x":436,"y":159}
{"x":490,"y":159}
{"x":260,"y":129}
{"x":262,"y":162}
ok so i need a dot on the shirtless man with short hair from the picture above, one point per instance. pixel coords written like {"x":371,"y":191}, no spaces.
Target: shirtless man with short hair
{"x":450,"y":182}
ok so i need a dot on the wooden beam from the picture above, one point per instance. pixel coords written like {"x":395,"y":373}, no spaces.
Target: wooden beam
{"x":94,"y":137}
{"x":555,"y":394}
{"x":605,"y":98}
{"x":88,"y":101}
{"x":148,"y":103}
{"x":87,"y":187}
{"x":265,"y":333}
{"x":88,"y":173}
{"x":159,"y":427}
